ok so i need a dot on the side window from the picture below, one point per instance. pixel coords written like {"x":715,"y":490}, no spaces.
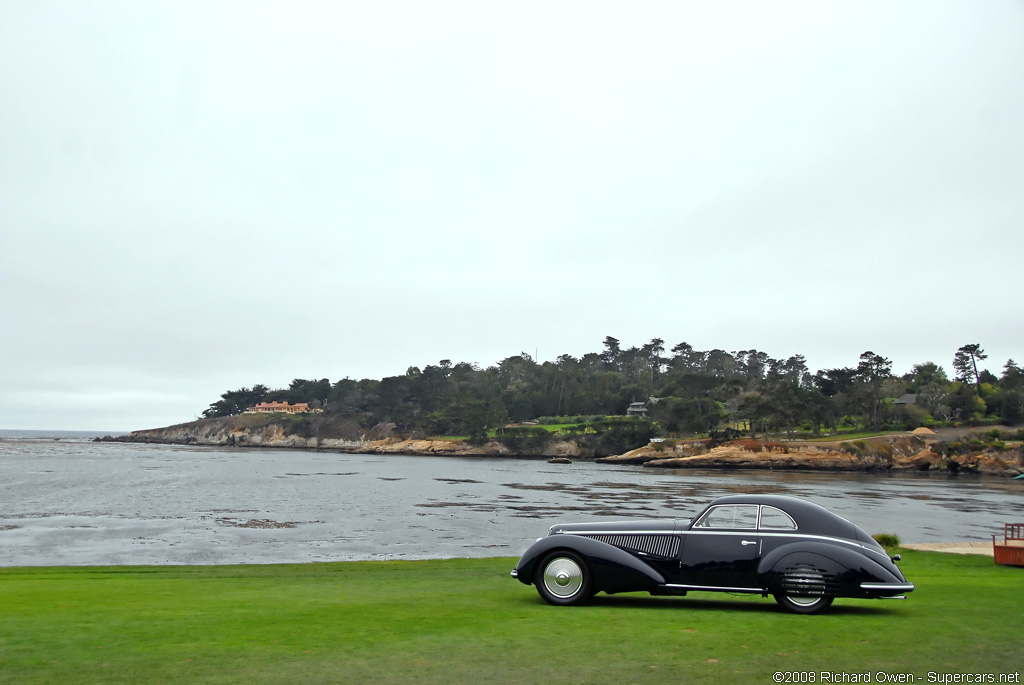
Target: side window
{"x":729,"y":516}
{"x":776,"y":519}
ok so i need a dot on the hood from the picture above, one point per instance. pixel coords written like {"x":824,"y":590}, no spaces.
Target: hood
{"x":628,"y":526}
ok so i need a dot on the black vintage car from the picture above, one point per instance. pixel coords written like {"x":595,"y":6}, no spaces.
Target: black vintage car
{"x":799,"y":552}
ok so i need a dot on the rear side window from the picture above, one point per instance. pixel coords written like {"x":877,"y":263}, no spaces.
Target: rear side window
{"x":729,"y":516}
{"x":776,"y":519}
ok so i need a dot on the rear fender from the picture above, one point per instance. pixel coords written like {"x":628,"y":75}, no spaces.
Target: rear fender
{"x":613,"y":569}
{"x":842,"y":569}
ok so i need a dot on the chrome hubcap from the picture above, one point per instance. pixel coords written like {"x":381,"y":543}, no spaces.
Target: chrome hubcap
{"x":804,"y":601}
{"x":563,"y":577}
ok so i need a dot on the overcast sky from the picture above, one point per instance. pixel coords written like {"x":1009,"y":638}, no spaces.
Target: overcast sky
{"x":199,"y":196}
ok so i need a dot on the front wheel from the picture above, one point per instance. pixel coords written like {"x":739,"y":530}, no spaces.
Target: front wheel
{"x":803,"y":604}
{"x":563,"y":578}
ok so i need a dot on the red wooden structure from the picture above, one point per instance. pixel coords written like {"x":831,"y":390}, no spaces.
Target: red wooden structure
{"x":1010,"y":550}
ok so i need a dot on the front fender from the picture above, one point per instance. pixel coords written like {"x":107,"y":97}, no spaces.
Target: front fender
{"x":613,"y":569}
{"x":843,"y":569}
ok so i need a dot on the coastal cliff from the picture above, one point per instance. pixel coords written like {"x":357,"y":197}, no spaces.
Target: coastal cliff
{"x":556,"y":449}
{"x":253,"y":430}
{"x":314,"y":432}
{"x":903,"y":453}
{"x":888,"y":453}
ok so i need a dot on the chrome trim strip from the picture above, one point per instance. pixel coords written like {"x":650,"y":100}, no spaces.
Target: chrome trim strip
{"x":619,"y":532}
{"x":716,"y":588}
{"x":845,"y":541}
{"x":763,"y":533}
{"x":894,"y":587}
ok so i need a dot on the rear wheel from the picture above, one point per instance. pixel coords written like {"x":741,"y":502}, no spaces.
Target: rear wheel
{"x":563,"y":578}
{"x":804,"y":589}
{"x":803,"y":605}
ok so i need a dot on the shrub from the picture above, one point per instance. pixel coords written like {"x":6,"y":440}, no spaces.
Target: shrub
{"x":558,"y":420}
{"x":618,"y":435}
{"x":857,"y":447}
{"x":723,"y":436}
{"x":887,"y":540}
{"x":300,"y":425}
{"x":478,"y":437}
{"x":525,"y":438}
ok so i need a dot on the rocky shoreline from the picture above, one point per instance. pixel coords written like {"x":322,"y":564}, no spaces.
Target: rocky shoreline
{"x":904,"y":453}
{"x":889,"y":453}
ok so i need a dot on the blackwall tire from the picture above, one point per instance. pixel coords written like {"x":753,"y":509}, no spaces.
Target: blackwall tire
{"x":563,"y":579}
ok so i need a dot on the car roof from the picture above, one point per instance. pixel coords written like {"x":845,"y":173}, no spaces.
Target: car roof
{"x":809,"y":517}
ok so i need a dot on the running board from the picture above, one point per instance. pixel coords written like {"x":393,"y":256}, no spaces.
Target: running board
{"x":716,"y":588}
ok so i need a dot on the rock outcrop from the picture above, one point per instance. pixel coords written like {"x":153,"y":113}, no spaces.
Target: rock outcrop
{"x":313,"y":432}
{"x":249,"y":430}
{"x":454,"y":448}
{"x":562,"y":449}
{"x":907,"y":453}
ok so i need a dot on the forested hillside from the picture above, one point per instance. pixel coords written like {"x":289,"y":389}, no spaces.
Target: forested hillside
{"x":687,"y":391}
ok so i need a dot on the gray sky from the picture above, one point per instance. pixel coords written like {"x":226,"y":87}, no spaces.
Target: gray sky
{"x":199,"y":196}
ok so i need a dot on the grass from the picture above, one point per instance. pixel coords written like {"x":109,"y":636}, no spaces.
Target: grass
{"x":843,"y":437}
{"x":558,"y":427}
{"x":493,"y":433}
{"x":467,"y":621}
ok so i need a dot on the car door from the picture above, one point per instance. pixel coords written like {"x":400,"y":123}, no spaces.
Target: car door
{"x":721,"y":549}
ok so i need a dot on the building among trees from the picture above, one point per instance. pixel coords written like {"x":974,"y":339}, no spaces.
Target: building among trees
{"x":272,"y":407}
{"x":637,"y":409}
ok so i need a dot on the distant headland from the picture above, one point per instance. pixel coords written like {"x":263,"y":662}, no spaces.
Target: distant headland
{"x":680,"y":408}
{"x":951,"y":451}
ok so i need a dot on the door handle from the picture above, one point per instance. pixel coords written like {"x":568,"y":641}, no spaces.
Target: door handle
{"x":748,"y":542}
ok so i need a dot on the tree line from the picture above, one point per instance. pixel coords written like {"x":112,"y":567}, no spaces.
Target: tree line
{"x":687,"y":391}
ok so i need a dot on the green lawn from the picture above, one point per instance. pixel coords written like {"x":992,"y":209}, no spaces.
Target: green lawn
{"x":844,"y":437}
{"x":468,"y":621}
{"x":556,"y":427}
{"x":493,"y":433}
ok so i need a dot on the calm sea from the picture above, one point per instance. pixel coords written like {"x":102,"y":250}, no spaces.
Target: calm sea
{"x":65,"y":500}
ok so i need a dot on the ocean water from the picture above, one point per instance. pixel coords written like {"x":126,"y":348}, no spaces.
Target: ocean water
{"x":7,"y":434}
{"x":65,"y":500}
